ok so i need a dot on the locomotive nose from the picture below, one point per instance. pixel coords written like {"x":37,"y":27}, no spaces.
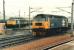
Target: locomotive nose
{"x":40,"y":25}
{"x":37,"y":25}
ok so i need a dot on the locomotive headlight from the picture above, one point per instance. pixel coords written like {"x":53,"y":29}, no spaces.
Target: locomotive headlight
{"x":52,"y":24}
{"x":63,"y":22}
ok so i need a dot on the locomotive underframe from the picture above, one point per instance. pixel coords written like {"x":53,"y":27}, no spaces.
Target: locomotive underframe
{"x":51,"y":31}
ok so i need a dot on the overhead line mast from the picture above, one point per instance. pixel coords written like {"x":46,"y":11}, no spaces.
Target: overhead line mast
{"x":4,"y":10}
{"x":72,"y":14}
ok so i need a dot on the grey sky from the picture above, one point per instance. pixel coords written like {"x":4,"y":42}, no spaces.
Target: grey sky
{"x":13,"y":6}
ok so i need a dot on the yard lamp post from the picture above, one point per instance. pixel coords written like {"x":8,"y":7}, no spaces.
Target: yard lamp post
{"x":72,"y":14}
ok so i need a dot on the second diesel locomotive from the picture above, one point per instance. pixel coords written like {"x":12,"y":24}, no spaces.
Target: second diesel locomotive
{"x":47,"y":24}
{"x":16,"y":22}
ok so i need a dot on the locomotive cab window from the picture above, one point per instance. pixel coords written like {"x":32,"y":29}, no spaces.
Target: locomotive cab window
{"x":40,"y":18}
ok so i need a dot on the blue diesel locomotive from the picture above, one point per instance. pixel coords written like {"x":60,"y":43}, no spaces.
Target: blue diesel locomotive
{"x":47,"y":24}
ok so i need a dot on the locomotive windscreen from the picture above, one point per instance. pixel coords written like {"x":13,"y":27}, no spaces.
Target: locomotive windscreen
{"x":40,"y":18}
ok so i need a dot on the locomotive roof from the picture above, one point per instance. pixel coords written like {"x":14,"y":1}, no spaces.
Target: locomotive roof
{"x":51,"y":15}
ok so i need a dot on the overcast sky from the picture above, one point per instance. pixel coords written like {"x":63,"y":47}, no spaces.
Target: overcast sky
{"x":48,"y":6}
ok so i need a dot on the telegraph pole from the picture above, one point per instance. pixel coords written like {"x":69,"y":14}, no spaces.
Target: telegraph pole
{"x":24,"y":14}
{"x":19,"y":13}
{"x":29,"y":18}
{"x":72,"y":14}
{"x":4,"y":15}
{"x":29,"y":14}
{"x":19,"y":19}
{"x":4,"y":10}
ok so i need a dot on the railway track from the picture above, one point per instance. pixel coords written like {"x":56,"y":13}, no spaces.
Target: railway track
{"x":10,"y":41}
{"x":16,"y":40}
{"x":40,"y":43}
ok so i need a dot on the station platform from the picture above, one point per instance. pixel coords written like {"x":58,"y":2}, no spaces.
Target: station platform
{"x":67,"y":46}
{"x":41,"y":44}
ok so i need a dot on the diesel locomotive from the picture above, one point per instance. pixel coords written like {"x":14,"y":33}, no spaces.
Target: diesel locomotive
{"x":16,"y":22}
{"x":47,"y":24}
